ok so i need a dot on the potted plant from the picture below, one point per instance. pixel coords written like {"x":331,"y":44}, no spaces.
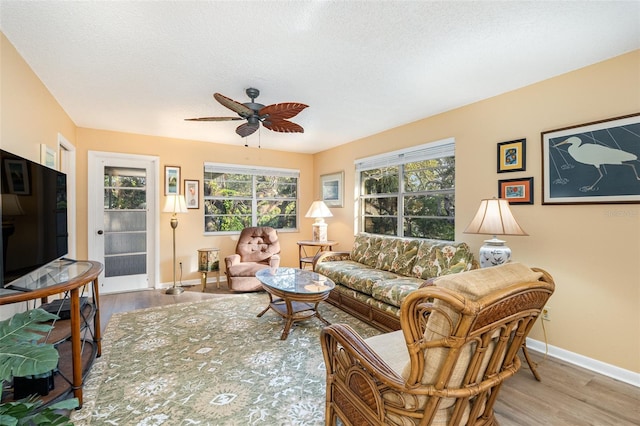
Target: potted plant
{"x":21,"y":356}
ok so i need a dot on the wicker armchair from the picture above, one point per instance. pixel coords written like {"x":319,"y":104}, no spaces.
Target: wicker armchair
{"x":458,"y":343}
{"x":257,"y":248}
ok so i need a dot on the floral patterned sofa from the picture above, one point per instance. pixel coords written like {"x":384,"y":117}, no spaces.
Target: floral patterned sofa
{"x":377,"y":274}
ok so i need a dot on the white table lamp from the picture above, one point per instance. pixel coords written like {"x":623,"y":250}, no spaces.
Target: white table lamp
{"x":494,"y":217}
{"x":319,"y":211}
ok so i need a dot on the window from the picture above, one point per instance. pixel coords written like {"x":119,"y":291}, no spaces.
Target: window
{"x":236,"y":197}
{"x":409,"y":192}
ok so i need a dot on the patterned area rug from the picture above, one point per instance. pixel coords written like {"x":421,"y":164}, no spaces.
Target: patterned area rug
{"x":210,"y":363}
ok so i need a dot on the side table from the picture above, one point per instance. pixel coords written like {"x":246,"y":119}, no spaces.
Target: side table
{"x":208,"y":261}
{"x":314,"y":248}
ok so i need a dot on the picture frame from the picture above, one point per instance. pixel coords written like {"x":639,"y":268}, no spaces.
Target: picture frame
{"x":17,"y":174}
{"x":48,"y":156}
{"x":512,"y":156}
{"x":171,"y":180}
{"x":192,"y":193}
{"x":592,"y":163}
{"x":332,"y":189}
{"x":516,"y":191}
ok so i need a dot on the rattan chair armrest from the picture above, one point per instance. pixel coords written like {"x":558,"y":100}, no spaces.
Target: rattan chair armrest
{"x":337,"y":337}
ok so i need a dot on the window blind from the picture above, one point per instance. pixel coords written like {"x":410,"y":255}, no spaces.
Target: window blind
{"x":428,"y":151}
{"x":249,"y":170}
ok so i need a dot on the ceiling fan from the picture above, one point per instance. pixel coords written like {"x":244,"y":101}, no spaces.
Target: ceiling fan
{"x":273,"y":117}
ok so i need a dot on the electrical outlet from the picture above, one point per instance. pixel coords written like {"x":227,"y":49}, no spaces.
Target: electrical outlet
{"x":546,"y":313}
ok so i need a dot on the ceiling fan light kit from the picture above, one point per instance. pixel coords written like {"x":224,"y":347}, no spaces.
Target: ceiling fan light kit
{"x":274,"y":117}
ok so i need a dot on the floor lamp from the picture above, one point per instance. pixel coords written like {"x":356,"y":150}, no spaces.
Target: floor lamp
{"x":175,"y":204}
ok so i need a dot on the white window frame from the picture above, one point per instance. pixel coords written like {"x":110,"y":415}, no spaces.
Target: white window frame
{"x":428,"y":151}
{"x":254,"y":171}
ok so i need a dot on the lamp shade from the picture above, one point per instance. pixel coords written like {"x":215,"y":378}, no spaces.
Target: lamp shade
{"x":494,"y":217}
{"x":318,"y":209}
{"x":175,"y":204}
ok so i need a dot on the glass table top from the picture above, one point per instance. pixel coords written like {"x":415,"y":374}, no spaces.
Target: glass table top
{"x":52,"y":274}
{"x":295,"y":280}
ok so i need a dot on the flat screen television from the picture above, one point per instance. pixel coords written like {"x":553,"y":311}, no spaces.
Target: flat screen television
{"x":34,"y":216}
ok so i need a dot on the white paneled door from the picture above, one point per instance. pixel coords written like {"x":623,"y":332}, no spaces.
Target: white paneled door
{"x":122,"y":221}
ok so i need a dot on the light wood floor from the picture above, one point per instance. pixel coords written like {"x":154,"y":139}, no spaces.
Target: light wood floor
{"x":567,"y":395}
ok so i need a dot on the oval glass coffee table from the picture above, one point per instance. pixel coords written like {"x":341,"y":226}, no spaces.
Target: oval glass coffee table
{"x":294,"y":294}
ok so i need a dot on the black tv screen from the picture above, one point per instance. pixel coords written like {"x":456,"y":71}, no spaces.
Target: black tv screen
{"x":34,"y":216}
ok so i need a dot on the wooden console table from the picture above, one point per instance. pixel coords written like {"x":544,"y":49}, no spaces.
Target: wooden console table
{"x":70,"y":278}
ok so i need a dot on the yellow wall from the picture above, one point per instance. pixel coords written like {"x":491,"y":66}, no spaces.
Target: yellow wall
{"x":592,"y":251}
{"x":30,"y":115}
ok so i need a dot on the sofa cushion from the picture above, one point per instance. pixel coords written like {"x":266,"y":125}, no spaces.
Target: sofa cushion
{"x":397,"y":254}
{"x":366,"y":249}
{"x":435,"y":258}
{"x":394,"y":291}
{"x":353,"y":274}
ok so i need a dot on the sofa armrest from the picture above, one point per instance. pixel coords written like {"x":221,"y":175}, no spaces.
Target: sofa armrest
{"x":328,"y":256}
{"x":232,"y":259}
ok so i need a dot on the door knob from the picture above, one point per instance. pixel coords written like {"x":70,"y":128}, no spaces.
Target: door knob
{"x":100,"y":232}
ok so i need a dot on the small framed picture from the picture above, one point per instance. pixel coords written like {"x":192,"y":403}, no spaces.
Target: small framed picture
{"x":192,"y":193}
{"x":516,"y":191}
{"x":47,"y":156}
{"x":332,"y":189}
{"x":171,"y":180}
{"x":512,"y":156}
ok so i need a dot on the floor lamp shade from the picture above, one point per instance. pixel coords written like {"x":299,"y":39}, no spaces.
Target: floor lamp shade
{"x":319,"y":211}
{"x":494,"y":217}
{"x":175,"y":204}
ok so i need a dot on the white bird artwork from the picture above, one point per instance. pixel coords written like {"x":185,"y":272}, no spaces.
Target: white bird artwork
{"x":596,"y":156}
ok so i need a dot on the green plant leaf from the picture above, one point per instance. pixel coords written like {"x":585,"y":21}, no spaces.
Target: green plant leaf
{"x":23,"y":412}
{"x":20,"y":355}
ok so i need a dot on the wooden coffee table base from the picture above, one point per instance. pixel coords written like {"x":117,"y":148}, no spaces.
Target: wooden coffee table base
{"x":303,"y":307}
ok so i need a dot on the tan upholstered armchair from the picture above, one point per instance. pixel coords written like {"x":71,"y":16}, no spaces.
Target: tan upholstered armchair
{"x":257,"y":248}
{"x":459,"y":341}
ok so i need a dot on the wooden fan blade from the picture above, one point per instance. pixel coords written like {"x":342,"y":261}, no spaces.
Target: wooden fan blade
{"x":243,"y":110}
{"x":213,"y":119}
{"x":284,"y":126}
{"x":282,"y":111}
{"x":246,"y":129}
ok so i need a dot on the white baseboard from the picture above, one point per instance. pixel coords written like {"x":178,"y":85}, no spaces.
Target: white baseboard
{"x":599,"y":367}
{"x":189,"y":283}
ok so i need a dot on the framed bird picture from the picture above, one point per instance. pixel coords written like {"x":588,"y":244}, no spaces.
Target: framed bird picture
{"x":596,"y":162}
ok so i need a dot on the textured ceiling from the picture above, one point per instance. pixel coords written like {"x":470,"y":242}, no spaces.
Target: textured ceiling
{"x":361,"y":66}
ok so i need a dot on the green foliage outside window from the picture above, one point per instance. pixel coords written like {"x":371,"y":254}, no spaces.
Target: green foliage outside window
{"x":414,"y":199}
{"x":230,"y":203}
{"x":124,"y":192}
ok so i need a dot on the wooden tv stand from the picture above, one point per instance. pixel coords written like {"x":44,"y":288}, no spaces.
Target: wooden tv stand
{"x":78,"y":338}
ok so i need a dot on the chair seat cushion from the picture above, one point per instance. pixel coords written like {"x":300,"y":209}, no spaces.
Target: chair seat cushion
{"x":392,"y":348}
{"x":245,"y":269}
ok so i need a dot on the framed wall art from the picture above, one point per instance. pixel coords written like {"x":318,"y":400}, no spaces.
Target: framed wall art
{"x":171,"y":180}
{"x":47,"y":156}
{"x":192,"y":193}
{"x":516,"y":191}
{"x":332,"y":189}
{"x":592,"y":163}
{"x":512,"y":156}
